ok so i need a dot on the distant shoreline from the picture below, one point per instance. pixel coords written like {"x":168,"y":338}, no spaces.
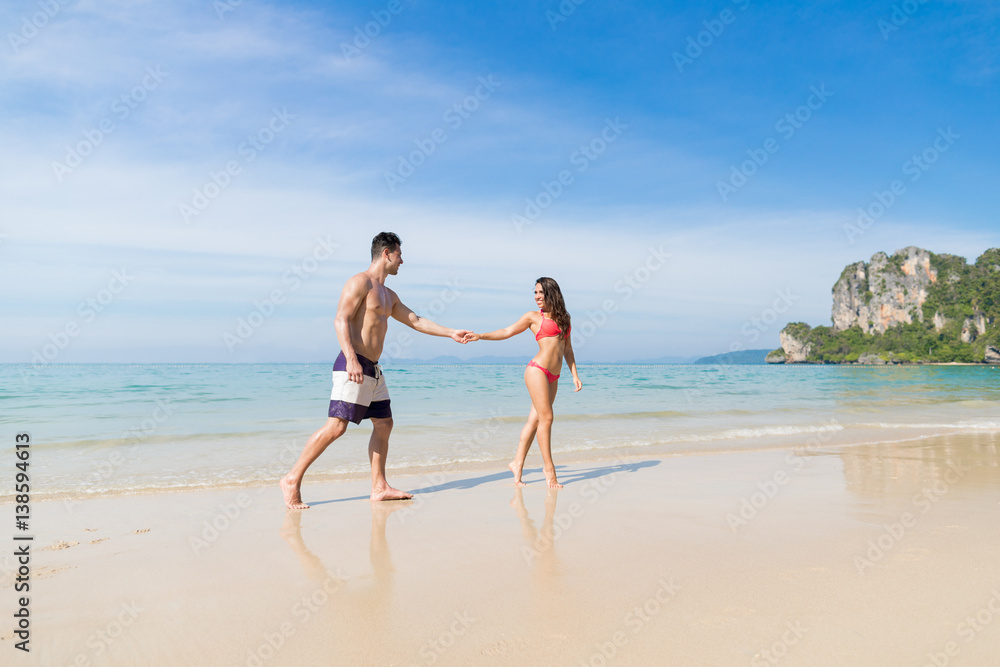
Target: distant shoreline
{"x":888,"y":363}
{"x":474,"y":362}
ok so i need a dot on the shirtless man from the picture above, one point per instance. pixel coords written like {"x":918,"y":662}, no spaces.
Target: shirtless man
{"x":359,"y":390}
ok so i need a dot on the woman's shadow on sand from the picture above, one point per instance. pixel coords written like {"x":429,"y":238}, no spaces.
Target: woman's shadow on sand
{"x":567,"y":475}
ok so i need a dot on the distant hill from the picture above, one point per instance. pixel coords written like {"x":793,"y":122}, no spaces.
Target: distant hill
{"x":750,"y":357}
{"x":661,"y":360}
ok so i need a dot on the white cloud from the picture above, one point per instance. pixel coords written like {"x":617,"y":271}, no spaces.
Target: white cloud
{"x":323,"y":177}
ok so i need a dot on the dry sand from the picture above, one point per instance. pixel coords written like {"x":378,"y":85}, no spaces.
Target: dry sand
{"x":865,"y":555}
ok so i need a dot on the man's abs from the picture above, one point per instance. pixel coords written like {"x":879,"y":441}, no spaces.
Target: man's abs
{"x":369,"y":325}
{"x":369,"y":338}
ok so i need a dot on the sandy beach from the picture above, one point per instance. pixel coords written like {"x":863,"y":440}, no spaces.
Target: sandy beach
{"x":864,"y":555}
{"x":729,"y":272}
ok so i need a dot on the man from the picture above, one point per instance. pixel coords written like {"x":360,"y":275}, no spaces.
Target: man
{"x":359,"y":390}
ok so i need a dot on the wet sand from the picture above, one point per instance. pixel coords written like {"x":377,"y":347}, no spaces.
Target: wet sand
{"x":863,"y":555}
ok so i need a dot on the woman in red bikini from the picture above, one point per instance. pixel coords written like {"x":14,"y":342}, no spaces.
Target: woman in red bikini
{"x":551,"y":326}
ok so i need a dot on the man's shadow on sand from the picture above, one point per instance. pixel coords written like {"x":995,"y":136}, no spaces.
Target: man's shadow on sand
{"x":566,"y":476}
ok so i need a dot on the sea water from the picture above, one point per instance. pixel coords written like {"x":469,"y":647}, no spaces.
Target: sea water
{"x":100,"y":429}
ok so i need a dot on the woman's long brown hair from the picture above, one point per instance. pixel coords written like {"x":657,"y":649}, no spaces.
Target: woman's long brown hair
{"x":554,"y":300}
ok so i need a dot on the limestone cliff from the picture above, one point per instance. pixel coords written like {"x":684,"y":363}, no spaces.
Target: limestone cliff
{"x":885,"y":292}
{"x":796,"y":351}
{"x":911,"y":306}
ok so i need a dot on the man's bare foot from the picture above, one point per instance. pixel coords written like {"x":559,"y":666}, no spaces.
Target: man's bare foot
{"x":550,"y":477}
{"x":516,"y":469}
{"x":293,"y":498}
{"x":389,"y":493}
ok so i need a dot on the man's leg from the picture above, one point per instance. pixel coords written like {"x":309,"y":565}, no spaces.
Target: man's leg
{"x":320,"y":440}
{"x":378,"y":448}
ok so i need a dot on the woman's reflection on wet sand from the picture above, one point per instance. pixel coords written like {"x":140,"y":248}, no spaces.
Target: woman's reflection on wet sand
{"x":547,"y":596}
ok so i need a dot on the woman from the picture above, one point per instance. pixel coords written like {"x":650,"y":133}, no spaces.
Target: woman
{"x":551,"y":326}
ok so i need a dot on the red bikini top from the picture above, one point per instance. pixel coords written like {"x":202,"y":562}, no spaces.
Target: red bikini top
{"x":549,"y":328}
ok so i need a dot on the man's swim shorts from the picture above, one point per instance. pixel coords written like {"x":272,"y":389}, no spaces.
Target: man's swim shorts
{"x":353,"y":401}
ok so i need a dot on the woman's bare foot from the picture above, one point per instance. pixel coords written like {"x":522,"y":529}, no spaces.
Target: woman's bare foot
{"x":388,"y":493}
{"x":550,"y":477}
{"x":293,"y":497}
{"x":516,"y":469}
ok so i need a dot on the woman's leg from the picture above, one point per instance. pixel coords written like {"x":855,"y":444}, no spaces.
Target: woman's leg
{"x":542,"y":395}
{"x":523,"y":445}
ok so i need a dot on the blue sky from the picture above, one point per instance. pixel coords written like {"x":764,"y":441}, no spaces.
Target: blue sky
{"x":171,"y":169}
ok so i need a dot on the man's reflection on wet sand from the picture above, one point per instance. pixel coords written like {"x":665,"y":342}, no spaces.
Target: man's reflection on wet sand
{"x":353,"y":608}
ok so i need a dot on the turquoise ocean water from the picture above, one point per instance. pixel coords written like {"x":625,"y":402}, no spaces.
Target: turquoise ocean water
{"x":110,"y":429}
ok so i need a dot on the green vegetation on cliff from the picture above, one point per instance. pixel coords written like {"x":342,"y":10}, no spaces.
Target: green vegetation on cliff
{"x":962,"y":290}
{"x":902,"y":343}
{"x":965,"y":296}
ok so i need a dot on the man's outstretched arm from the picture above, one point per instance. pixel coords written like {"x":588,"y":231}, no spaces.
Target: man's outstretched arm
{"x":423,"y":325}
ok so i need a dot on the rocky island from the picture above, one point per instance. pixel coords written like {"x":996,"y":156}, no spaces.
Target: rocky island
{"x":913,"y":306}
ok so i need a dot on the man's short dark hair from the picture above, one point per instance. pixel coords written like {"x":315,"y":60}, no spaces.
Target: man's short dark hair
{"x":382,"y":241}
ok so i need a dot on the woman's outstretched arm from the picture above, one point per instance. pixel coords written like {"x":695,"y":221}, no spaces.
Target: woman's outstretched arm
{"x":506,"y":332}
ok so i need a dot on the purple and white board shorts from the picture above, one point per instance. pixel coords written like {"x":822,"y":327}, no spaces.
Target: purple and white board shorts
{"x":353,"y":401}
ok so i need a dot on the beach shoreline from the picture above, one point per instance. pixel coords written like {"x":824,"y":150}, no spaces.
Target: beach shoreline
{"x":829,"y":435}
{"x":100,"y":431}
{"x":871,"y":554}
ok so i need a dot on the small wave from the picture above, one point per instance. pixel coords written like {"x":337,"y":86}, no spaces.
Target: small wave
{"x":760,"y":432}
{"x":137,"y":437}
{"x":618,"y":415}
{"x":974,"y":426}
{"x":735,"y":434}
